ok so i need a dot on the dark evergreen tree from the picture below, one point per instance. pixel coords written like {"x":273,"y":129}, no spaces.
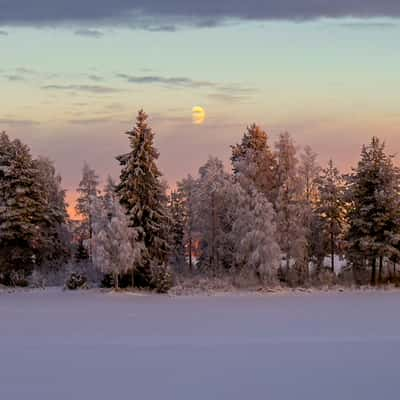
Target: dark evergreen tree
{"x":330,"y":211}
{"x":177,"y":229}
{"x":23,"y":208}
{"x":81,"y":254}
{"x":56,"y":224}
{"x":142,"y":194}
{"x":374,"y":208}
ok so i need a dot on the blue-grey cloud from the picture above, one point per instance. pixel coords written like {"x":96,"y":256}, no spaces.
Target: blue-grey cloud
{"x":221,"y":92}
{"x":362,"y":25}
{"x":95,"y":78}
{"x":15,"y":78}
{"x":91,"y":33}
{"x":3,"y":33}
{"x":90,"y":121}
{"x":23,"y":70}
{"x":167,"y":81}
{"x":227,"y":98}
{"x":159,"y":28}
{"x":83,"y":88}
{"x":133,"y":12}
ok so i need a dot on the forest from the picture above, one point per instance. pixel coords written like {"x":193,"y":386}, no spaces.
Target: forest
{"x":275,"y":217}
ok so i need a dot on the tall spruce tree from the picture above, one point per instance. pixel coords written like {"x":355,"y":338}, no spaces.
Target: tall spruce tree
{"x":142,"y":194}
{"x":56,"y":229}
{"x":374,"y":209}
{"x":330,"y":211}
{"x":23,"y":208}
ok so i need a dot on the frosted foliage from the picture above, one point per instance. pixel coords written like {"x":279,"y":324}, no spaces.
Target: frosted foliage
{"x":254,"y":229}
{"x":114,"y":245}
{"x":212,"y":215}
{"x":289,"y":204}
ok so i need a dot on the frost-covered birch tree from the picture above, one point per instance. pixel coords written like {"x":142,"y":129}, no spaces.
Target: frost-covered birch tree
{"x":254,"y":234}
{"x":114,"y":243}
{"x":212,"y":217}
{"x":186,"y":190}
{"x":88,"y":192}
{"x":289,"y":209}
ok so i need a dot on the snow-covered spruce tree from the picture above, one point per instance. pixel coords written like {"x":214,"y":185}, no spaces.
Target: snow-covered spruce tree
{"x":23,"y":208}
{"x":212,"y":217}
{"x":186,"y":190}
{"x":373,"y":214}
{"x":176,"y":208}
{"x":253,"y":162}
{"x":290,"y":211}
{"x":330,"y":212}
{"x":115,"y":247}
{"x":254,"y":235}
{"x":142,"y":194}
{"x":56,"y":224}
{"x":88,"y":193}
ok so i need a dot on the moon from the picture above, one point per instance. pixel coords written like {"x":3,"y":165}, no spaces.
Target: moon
{"x":198,"y":115}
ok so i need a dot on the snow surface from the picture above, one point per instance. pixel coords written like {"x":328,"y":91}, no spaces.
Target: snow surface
{"x":92,"y":345}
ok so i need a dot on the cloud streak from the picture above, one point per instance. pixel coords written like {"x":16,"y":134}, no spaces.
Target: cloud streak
{"x":15,"y":78}
{"x":170,"y":81}
{"x":3,"y":33}
{"x":83,"y":88}
{"x":89,"y":121}
{"x":223,"y":92}
{"x":15,"y":122}
{"x":161,"y":13}
{"x":90,"y":33}
{"x":367,"y":25}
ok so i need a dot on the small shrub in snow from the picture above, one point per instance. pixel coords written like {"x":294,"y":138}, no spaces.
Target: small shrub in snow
{"x":162,"y":279}
{"x":14,"y":278}
{"x":76,"y":281}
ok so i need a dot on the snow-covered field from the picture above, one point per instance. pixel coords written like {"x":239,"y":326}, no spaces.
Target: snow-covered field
{"x":58,"y":345}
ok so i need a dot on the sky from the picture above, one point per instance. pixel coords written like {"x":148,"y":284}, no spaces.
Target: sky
{"x":74,"y":74}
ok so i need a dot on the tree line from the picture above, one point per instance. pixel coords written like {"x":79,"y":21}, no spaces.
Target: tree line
{"x":276,"y":217}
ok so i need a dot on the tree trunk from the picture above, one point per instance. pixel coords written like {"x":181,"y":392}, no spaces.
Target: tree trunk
{"x":373,"y":272}
{"x":90,"y":235}
{"x":132,"y":278}
{"x":213,"y":233}
{"x":332,"y":252}
{"x":190,"y":254}
{"x":380,"y":269}
{"x":116,"y":281}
